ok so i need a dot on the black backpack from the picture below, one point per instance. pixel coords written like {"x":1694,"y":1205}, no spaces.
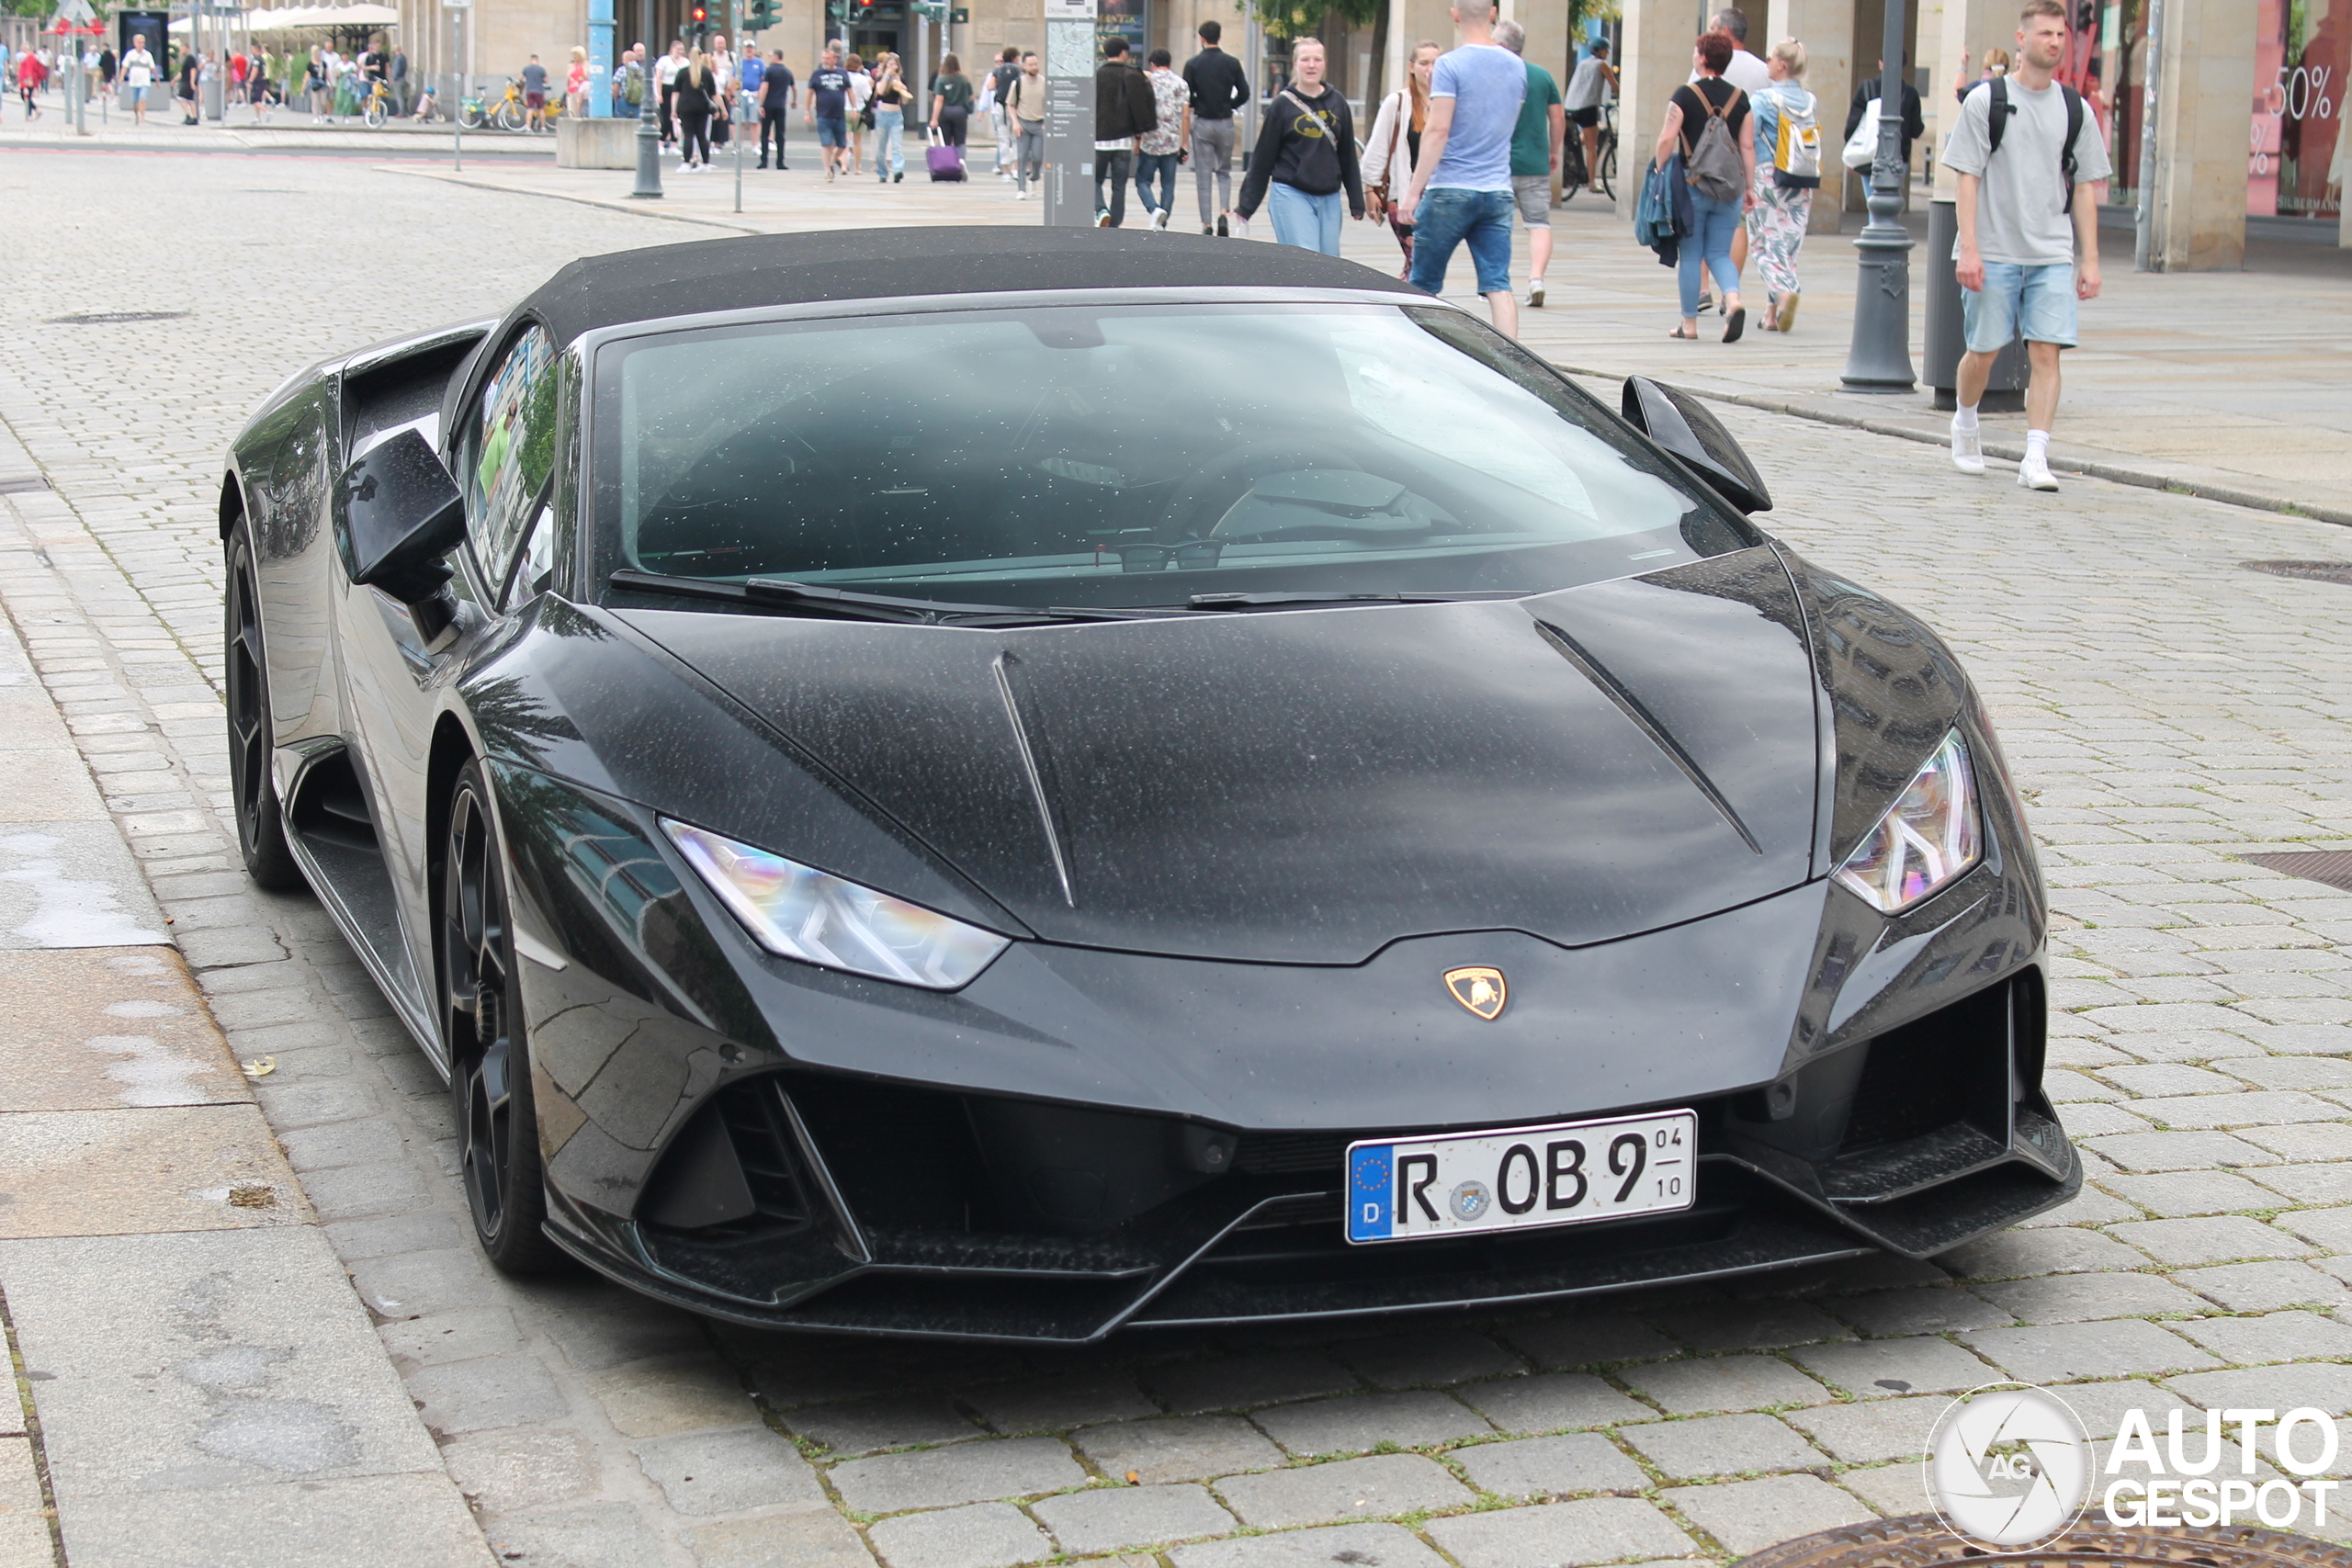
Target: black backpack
{"x":1997,"y":119}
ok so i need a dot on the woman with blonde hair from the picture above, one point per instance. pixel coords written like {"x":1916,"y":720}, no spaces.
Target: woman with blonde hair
{"x":1996,"y":63}
{"x":1784,"y":205}
{"x":889,"y":101}
{"x":1394,"y":146}
{"x":692,"y":99}
{"x":575,"y":84}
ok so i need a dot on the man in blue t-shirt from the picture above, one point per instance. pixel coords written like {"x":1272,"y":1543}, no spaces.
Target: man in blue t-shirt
{"x":1461,"y":190}
{"x":828,"y":95}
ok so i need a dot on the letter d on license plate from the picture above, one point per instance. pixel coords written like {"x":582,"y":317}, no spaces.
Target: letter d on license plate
{"x":1522,"y":1177}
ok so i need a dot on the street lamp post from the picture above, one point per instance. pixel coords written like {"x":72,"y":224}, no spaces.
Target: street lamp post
{"x":649,"y":128}
{"x":1880,"y":358}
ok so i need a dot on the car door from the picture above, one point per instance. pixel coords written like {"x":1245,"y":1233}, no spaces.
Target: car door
{"x":505,"y":450}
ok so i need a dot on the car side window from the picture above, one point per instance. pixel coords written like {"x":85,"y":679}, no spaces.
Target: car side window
{"x":510,"y":450}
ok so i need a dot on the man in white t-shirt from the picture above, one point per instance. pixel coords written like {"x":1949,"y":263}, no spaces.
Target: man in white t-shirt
{"x":2028,"y":248}
{"x":138,"y":74}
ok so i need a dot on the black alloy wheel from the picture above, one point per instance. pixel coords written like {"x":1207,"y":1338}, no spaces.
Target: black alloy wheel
{"x":490,"y":1068}
{"x":261,"y":824}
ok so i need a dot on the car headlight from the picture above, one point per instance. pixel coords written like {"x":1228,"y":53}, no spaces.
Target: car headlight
{"x":819,"y":918}
{"x":1927,"y":838}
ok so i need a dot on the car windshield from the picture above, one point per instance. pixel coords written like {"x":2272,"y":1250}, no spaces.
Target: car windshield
{"x":1126,"y":457}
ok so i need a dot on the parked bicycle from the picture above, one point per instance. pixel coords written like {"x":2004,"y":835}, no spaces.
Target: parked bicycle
{"x":506,"y":112}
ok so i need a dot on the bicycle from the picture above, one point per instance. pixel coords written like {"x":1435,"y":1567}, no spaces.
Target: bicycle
{"x":377,"y":105}
{"x":1573,"y":173}
{"x":507,"y":113}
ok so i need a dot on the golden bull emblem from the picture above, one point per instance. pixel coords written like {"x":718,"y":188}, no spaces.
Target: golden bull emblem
{"x":1479,"y":988}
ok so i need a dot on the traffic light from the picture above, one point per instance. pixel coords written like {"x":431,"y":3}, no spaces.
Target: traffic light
{"x":760,"y":15}
{"x":698,"y":16}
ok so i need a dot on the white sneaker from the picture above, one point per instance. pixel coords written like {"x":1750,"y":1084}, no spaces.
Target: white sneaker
{"x":1968,"y":450}
{"x":1159,"y":220}
{"x":2033,"y":473}
{"x":1535,"y":293}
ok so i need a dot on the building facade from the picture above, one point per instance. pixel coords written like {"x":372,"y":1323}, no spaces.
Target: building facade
{"x":2250,"y":119}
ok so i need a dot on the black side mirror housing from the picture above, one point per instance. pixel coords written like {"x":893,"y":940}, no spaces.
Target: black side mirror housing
{"x":1680,"y":424}
{"x":397,"y":514}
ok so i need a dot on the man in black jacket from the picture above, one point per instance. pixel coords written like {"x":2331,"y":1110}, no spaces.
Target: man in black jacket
{"x":1914,"y":125}
{"x":1218,"y":87}
{"x":1123,"y":109}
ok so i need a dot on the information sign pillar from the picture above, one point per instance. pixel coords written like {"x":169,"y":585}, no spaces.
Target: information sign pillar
{"x":1069,"y":113}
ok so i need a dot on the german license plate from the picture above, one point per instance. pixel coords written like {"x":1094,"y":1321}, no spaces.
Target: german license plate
{"x":1522,"y":1177}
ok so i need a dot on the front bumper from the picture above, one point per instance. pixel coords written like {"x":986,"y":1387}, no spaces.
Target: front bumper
{"x":929,"y":1228}
{"x":1084,"y":1141}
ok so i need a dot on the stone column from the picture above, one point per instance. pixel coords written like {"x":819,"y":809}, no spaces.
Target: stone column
{"x":1657,"y":60}
{"x":1825,"y":27}
{"x":2201,"y":136}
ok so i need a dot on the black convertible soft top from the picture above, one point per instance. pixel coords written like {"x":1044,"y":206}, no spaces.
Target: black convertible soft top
{"x":791,"y":269}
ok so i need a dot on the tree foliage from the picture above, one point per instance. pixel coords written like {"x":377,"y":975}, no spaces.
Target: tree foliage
{"x":1307,"y":19}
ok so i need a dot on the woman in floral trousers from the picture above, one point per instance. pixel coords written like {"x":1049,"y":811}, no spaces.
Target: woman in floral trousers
{"x":1775,"y":223}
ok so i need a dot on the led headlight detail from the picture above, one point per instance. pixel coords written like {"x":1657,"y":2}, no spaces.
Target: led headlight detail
{"x":817,"y":917}
{"x":1927,"y":838}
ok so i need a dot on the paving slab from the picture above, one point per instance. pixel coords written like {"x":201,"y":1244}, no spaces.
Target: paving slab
{"x":1390,"y":1546}
{"x":1535,"y":1468}
{"x":363,"y":1521}
{"x":1344,"y":1489}
{"x":1561,"y":1535}
{"x":204,"y":1360}
{"x":102,"y":1028}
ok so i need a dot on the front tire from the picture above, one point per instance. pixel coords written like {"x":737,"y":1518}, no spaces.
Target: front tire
{"x":261,"y":823}
{"x":510,"y":119}
{"x":489,"y":1066}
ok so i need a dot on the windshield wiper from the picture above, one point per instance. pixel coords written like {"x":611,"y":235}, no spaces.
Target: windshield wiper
{"x":1276,"y":601}
{"x":808,"y":598}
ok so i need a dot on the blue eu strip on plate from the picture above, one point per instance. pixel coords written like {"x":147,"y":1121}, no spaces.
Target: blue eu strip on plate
{"x":1371,"y":1188}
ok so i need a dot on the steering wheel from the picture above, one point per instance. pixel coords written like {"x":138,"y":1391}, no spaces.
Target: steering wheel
{"x":1213,"y":487}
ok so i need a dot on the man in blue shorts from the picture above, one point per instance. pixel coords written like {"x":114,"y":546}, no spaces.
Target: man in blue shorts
{"x":828,"y":95}
{"x":1461,"y":192}
{"x":2030,"y":159}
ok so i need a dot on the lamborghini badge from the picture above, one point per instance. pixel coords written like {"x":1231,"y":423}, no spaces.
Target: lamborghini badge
{"x":1480,"y":989}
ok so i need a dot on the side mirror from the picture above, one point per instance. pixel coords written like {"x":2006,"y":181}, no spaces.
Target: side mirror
{"x":397,"y":514}
{"x":1680,"y":424}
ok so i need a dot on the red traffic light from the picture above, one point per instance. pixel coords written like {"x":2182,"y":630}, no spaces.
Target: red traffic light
{"x":700,"y":15}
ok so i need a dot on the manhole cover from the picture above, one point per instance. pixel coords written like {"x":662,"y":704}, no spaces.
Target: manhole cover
{"x":2309,"y":571}
{"x":1921,"y":1539}
{"x":113,"y":317}
{"x":2332,"y":867}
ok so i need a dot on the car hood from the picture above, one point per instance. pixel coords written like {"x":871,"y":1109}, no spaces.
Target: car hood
{"x":1308,"y":785}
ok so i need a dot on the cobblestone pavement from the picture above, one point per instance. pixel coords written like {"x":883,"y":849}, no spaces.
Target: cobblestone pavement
{"x":2166,"y":712}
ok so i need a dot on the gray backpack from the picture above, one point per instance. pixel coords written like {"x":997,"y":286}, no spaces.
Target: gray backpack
{"x":1716,"y":170}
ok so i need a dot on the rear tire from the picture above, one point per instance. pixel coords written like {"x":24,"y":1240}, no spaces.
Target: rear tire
{"x":1607,"y":184}
{"x":261,"y":824}
{"x":510,"y":118}
{"x":490,"y":1061}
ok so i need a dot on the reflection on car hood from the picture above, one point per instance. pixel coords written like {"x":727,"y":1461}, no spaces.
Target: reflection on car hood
{"x":1308,"y":785}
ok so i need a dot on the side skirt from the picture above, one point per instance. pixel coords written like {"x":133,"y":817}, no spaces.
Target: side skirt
{"x":332,"y":837}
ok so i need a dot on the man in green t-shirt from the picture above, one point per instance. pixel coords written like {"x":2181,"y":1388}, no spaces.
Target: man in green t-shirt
{"x":1534,"y":156}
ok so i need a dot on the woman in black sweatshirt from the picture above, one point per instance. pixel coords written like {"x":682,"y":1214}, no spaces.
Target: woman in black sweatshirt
{"x":1307,"y":150}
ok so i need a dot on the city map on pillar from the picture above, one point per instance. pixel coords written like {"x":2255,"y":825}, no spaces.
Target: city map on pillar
{"x":2011,"y":1466}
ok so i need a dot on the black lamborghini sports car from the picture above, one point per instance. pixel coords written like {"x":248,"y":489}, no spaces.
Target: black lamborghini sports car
{"x":1016,"y":783}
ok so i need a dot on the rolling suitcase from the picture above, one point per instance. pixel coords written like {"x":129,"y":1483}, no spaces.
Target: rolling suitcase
{"x":946,"y":163}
